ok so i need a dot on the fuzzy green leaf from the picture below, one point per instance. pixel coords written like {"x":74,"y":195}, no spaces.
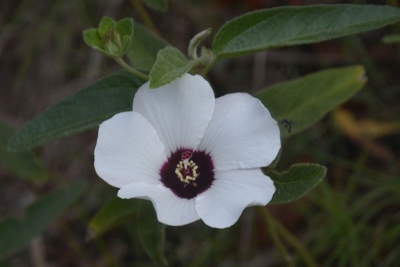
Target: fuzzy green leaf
{"x":81,"y":111}
{"x":25,"y":164}
{"x":105,"y":24}
{"x":157,"y":5}
{"x":125,"y":27}
{"x":144,"y":48}
{"x":170,"y":65}
{"x":151,"y":233}
{"x":16,"y":233}
{"x":112,"y":214}
{"x":286,"y":26}
{"x":126,"y":41}
{"x":306,"y":100}
{"x":112,"y":38}
{"x":295,"y":182}
{"x":92,"y":38}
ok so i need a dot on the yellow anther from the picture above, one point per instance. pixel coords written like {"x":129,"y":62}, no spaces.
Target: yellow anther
{"x":180,"y":176}
{"x":183,"y":165}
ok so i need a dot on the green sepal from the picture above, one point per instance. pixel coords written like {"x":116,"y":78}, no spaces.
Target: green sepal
{"x":105,"y":24}
{"x":126,"y":41}
{"x":112,"y":39}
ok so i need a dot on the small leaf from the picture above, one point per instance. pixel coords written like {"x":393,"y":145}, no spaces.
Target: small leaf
{"x":81,"y":111}
{"x":105,"y":24}
{"x":15,"y":233}
{"x":391,"y":39}
{"x":151,"y":233}
{"x":170,"y":65}
{"x":286,"y":26}
{"x":112,"y":39}
{"x":92,"y":38}
{"x":306,"y":100}
{"x":157,"y":5}
{"x":126,"y":41}
{"x":144,"y":48}
{"x":295,"y":182}
{"x":112,"y":214}
{"x":125,"y":27}
{"x":25,"y":164}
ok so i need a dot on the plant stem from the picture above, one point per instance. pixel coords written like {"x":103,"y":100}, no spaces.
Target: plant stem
{"x":275,"y":238}
{"x":145,"y":16}
{"x":292,"y":240}
{"x":208,"y":67}
{"x":123,"y":64}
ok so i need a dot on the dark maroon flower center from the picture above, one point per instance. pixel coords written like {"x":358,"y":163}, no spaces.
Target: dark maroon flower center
{"x":188,"y":173}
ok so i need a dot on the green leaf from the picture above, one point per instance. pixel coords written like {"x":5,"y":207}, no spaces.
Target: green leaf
{"x":112,"y":214}
{"x":151,"y":233}
{"x":285,"y":26}
{"x":144,"y":48}
{"x":92,"y":38}
{"x":16,"y":233}
{"x":25,"y":164}
{"x":157,"y":5}
{"x":112,"y":39}
{"x":295,"y":182}
{"x":105,"y":24}
{"x":126,"y":41}
{"x":391,"y":39}
{"x":125,"y":27}
{"x":170,"y":65}
{"x":306,"y":100}
{"x":81,"y":111}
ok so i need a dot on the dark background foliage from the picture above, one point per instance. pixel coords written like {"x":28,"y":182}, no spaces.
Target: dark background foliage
{"x":351,"y":219}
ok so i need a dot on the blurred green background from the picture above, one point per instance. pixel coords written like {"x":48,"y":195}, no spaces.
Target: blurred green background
{"x":351,"y":219}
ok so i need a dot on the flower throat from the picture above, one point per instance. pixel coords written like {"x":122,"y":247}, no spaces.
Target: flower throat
{"x":186,"y":169}
{"x":187,"y":173}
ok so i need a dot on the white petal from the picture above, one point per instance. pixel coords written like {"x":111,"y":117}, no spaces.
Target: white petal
{"x":170,"y":209}
{"x":242,"y":133}
{"x":180,"y":111}
{"x":231,"y":192}
{"x":128,"y":150}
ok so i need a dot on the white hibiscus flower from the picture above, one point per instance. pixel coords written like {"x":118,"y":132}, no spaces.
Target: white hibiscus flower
{"x":194,"y":156}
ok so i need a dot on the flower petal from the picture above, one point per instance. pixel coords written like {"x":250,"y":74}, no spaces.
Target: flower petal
{"x":233,"y":191}
{"x":170,"y":209}
{"x":242,"y":134}
{"x":128,"y":150}
{"x":180,"y":111}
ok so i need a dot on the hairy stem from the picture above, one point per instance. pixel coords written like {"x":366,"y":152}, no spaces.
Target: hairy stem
{"x":208,"y":67}
{"x":139,"y":74}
